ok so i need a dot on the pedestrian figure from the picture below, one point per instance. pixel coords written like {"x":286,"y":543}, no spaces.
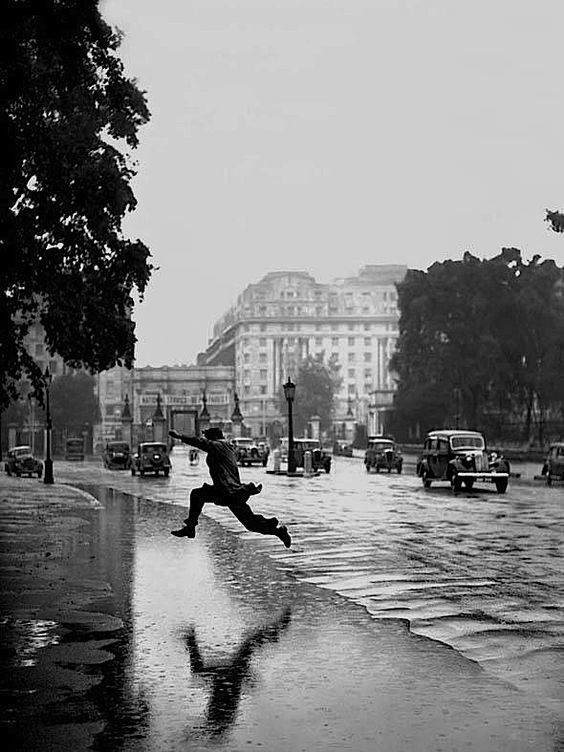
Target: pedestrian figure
{"x":227,"y":489}
{"x":228,"y":677}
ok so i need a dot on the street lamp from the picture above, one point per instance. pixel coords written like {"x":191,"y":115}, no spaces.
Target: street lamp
{"x":48,"y":476}
{"x":290,"y":393}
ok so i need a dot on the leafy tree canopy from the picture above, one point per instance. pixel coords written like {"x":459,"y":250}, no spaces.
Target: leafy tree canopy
{"x":69,"y":119}
{"x":73,"y":401}
{"x":480,"y":337}
{"x":316,"y":385}
{"x":555,"y":220}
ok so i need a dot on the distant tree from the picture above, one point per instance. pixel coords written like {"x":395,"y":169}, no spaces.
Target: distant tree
{"x":68,"y":122}
{"x":316,"y":385}
{"x":360,"y":440}
{"x":555,"y":219}
{"x":73,"y":402}
{"x":479,"y":338}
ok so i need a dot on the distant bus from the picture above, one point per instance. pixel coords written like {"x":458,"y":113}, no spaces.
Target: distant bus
{"x":74,"y":449}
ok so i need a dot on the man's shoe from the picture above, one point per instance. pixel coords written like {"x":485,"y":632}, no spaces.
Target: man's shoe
{"x":188,"y":531}
{"x":284,"y":535}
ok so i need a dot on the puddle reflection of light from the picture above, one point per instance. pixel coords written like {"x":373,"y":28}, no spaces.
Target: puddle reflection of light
{"x":28,"y":636}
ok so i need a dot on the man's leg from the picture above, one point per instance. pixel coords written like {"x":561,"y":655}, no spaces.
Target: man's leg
{"x":198,"y":497}
{"x":256,"y":523}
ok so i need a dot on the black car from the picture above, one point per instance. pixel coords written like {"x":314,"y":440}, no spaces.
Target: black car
{"x":20,"y":461}
{"x":320,"y":458}
{"x":117,"y":455}
{"x":151,"y":457}
{"x":553,"y":468}
{"x":382,"y":453}
{"x":460,"y":457}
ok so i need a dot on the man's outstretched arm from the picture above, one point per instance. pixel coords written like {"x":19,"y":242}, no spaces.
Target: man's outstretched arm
{"x":195,"y":441}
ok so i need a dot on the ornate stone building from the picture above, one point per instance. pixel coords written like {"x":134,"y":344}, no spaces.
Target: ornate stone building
{"x":287,"y":316}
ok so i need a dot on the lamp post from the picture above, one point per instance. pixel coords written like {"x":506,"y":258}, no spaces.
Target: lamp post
{"x":290,"y":393}
{"x":48,"y":475}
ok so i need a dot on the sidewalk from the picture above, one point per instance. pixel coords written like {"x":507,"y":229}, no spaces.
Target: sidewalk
{"x":117,"y":636}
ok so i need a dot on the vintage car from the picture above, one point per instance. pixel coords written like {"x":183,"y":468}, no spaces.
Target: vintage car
{"x":117,"y":455}
{"x":320,"y":458}
{"x":250,"y":452}
{"x":553,"y":467}
{"x":461,"y":457}
{"x":382,"y":453}
{"x":342,"y":449}
{"x":74,"y":449}
{"x":20,"y":461}
{"x":151,"y":457}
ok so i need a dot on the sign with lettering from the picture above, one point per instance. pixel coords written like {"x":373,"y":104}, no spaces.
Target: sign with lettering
{"x":183,"y":400}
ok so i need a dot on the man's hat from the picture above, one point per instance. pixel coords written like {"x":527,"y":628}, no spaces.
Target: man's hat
{"x":213,"y":433}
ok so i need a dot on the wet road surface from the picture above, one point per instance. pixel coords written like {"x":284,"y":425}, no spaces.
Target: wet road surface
{"x":145,"y":642}
{"x":478,"y":571}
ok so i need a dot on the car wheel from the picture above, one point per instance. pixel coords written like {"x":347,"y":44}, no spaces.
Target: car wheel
{"x":501,"y":485}
{"x":425,"y":478}
{"x":455,"y":482}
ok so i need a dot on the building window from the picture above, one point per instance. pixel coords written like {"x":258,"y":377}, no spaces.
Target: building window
{"x":262,"y":327}
{"x":262,"y":357}
{"x":352,"y":388}
{"x":319,"y":341}
{"x":335,"y":341}
{"x":263,"y":374}
{"x":246,"y":357}
{"x":290,"y":327}
{"x":262,"y":341}
{"x":368,"y":341}
{"x":246,"y":389}
{"x":39,"y":350}
{"x":351,"y":341}
{"x":351,"y":327}
{"x":246,"y":375}
{"x":366,"y":327}
{"x":367,"y":357}
{"x":351,"y":357}
{"x":351,"y":373}
{"x":262,"y":389}
{"x":367,"y":373}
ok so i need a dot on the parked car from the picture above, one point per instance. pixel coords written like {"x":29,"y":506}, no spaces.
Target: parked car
{"x":151,"y":457}
{"x":342,"y":449}
{"x":20,"y":461}
{"x":461,"y":457}
{"x":117,"y":455}
{"x":382,"y":453}
{"x":74,"y":449}
{"x":553,"y":467}
{"x":320,"y":458}
{"x":250,"y":452}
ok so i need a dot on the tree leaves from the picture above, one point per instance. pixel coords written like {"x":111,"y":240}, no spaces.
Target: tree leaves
{"x":68,"y":118}
{"x":492,"y":329}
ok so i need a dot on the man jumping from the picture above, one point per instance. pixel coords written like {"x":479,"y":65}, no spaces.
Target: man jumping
{"x":227,"y":489}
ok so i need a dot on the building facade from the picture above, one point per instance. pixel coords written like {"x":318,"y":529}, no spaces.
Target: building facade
{"x":181,"y":392}
{"x":287,"y":316}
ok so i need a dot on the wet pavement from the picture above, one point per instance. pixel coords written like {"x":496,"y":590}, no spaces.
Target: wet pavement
{"x":128,"y":638}
{"x":478,"y":571}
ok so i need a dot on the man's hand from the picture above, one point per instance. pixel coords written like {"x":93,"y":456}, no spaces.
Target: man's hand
{"x":174,"y":434}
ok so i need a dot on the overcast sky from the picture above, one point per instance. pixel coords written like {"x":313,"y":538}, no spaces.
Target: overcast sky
{"x":323,"y":135}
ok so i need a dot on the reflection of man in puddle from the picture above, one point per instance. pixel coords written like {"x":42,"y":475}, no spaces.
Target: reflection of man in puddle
{"x":228,"y":677}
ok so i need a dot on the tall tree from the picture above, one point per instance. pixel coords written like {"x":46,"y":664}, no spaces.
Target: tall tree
{"x":73,"y":401}
{"x":479,"y":338}
{"x":69,"y":119}
{"x":316,"y":385}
